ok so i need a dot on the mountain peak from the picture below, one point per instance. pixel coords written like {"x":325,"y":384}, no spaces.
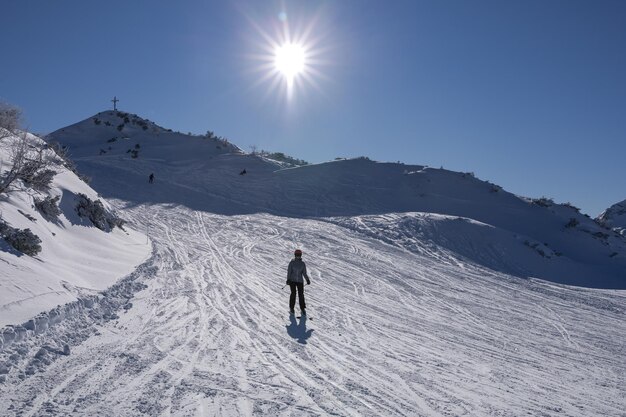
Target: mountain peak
{"x":615,"y":217}
{"x":123,"y":120}
{"x":103,"y":133}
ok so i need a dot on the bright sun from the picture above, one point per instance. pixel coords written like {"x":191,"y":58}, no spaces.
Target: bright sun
{"x":290,"y":60}
{"x":290,"y":57}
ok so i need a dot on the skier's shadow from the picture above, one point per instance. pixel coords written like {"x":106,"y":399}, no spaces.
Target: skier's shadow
{"x":298,"y":330}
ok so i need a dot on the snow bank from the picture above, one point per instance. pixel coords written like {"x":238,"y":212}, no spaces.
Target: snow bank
{"x":76,"y":257}
{"x":459,"y":239}
{"x":34,"y":344}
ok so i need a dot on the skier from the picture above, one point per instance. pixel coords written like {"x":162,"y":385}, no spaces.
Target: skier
{"x":151,"y":178}
{"x":295,"y":272}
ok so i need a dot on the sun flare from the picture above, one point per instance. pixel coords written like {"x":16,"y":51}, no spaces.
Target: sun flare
{"x":290,"y":60}
{"x":291,"y":56}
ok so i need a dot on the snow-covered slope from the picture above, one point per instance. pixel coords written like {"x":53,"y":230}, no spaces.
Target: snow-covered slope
{"x":615,"y":217}
{"x":76,"y":258}
{"x":542,"y":239}
{"x":390,"y":332}
{"x":415,"y":308}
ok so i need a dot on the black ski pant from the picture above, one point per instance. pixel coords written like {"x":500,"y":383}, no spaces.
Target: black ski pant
{"x":292,"y":298}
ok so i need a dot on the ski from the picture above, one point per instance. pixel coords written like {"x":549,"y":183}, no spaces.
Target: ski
{"x":293,"y":314}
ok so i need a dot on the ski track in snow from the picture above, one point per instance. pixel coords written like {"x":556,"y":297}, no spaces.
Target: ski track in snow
{"x":392,"y":332}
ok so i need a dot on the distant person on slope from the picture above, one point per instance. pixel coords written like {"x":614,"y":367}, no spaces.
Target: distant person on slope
{"x":151,"y":178}
{"x":295,"y":272}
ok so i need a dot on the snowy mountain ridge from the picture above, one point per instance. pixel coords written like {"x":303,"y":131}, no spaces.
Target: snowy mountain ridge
{"x":555,"y":241}
{"x":615,"y":217}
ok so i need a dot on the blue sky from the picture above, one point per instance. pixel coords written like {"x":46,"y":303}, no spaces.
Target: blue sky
{"x":530,"y":95}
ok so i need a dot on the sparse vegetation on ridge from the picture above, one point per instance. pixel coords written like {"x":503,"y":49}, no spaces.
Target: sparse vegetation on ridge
{"x":281,"y":157}
{"x":9,"y":120}
{"x":29,"y":160}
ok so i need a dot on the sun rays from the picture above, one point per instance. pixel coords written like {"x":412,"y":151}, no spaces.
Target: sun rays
{"x":289,"y":60}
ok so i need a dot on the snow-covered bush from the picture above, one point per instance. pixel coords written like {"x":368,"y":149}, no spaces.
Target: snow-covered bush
{"x":281,"y":157}
{"x":99,"y":216}
{"x":541,"y":249}
{"x":48,"y":206}
{"x":140,"y":123}
{"x":35,"y":177}
{"x":22,"y":240}
{"x":573,"y":207}
{"x":543,"y":202}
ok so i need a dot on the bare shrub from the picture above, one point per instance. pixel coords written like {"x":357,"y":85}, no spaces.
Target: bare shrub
{"x":543,"y":202}
{"x":63,"y":153}
{"x":29,"y":162}
{"x":10,"y":117}
{"x":573,"y":207}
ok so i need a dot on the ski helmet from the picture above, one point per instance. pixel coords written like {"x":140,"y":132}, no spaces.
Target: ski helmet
{"x":297,"y":253}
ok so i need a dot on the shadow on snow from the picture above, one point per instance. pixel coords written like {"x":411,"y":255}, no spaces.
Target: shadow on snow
{"x":297,"y":330}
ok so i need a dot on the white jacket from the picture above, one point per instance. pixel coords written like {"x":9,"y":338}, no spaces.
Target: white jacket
{"x":296,"y":270}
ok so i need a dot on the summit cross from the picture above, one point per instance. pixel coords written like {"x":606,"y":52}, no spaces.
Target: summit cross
{"x":115,"y":100}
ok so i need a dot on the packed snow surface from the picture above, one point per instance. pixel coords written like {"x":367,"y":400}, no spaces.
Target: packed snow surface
{"x":425,"y":297}
{"x":391,"y":332}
